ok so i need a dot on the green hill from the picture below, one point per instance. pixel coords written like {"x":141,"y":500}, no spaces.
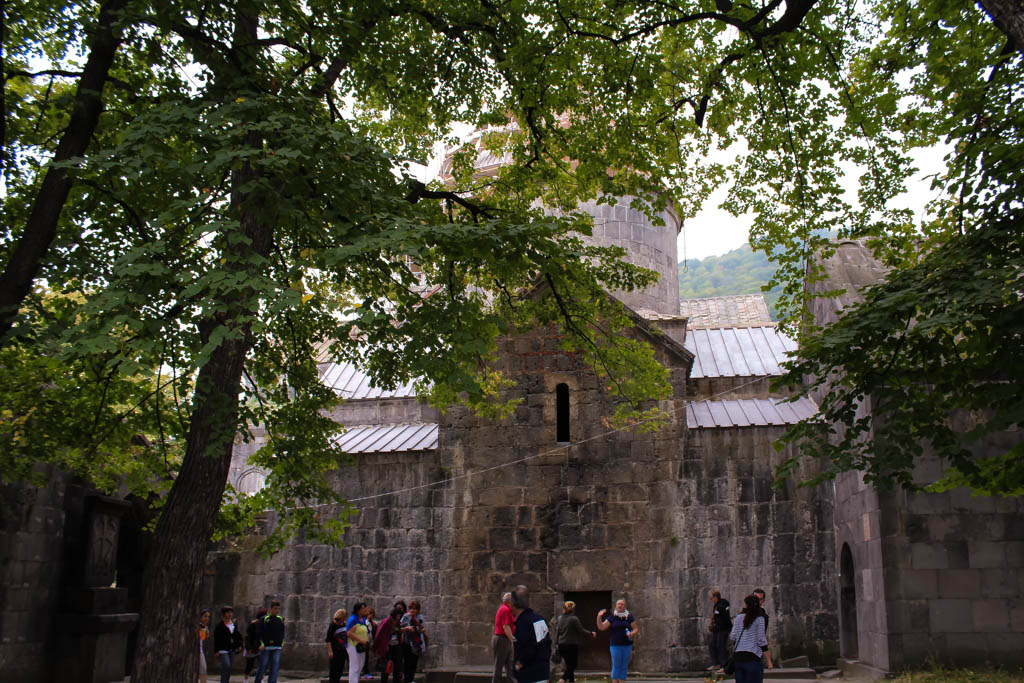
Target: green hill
{"x":741,"y":271}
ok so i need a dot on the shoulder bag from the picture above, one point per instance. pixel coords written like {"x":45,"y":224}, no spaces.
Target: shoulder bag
{"x":730,"y":664}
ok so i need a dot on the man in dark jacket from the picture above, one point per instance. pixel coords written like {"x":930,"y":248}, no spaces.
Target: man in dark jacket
{"x":533,"y":642}
{"x":719,"y":627}
{"x":271,"y":640}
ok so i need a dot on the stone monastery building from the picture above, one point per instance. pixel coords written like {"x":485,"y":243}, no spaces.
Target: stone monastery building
{"x":454,"y":509}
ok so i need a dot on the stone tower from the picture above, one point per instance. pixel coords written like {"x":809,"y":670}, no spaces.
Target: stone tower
{"x":647,"y":245}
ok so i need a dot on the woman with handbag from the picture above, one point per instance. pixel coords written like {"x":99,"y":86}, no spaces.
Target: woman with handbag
{"x":569,"y":633}
{"x":748,"y":634}
{"x":358,"y":640}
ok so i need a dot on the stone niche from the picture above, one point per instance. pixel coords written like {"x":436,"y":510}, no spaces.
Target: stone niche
{"x":94,"y":624}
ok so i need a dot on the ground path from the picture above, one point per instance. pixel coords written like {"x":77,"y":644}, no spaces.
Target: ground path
{"x":477,"y":675}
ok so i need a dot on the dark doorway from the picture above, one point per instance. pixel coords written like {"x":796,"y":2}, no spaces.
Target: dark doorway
{"x":594,"y":654}
{"x":847,"y":604}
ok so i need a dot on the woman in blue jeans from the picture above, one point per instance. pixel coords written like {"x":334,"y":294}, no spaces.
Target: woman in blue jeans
{"x":748,"y":634}
{"x":623,"y":629}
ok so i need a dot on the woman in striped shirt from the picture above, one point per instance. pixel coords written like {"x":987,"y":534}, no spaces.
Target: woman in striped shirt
{"x":748,"y":634}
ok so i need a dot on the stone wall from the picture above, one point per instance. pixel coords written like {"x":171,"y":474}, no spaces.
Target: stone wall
{"x":396,"y":548}
{"x":932,"y":575}
{"x":590,"y":515}
{"x":31,"y":537}
{"x":658,"y":518}
{"x":741,"y":533}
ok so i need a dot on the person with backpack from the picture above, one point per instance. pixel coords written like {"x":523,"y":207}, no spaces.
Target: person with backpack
{"x":252,"y":643}
{"x":533,"y":640}
{"x":271,"y":642}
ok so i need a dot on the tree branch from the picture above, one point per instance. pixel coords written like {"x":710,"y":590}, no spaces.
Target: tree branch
{"x":41,"y":228}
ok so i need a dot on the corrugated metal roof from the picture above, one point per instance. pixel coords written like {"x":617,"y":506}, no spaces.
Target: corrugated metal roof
{"x":726,"y":311}
{"x":749,"y":412}
{"x":390,"y":438}
{"x":738,"y":351}
{"x":351,"y":383}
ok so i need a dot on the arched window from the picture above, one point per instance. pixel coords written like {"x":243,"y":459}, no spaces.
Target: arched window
{"x":562,"y":412}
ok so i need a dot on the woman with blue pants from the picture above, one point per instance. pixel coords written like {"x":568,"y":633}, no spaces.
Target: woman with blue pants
{"x":623,"y":629}
{"x":751,"y":644}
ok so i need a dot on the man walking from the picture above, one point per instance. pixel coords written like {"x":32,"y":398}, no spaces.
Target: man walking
{"x":532,"y":651}
{"x":719,"y":628}
{"x":502,"y":642}
{"x":271,"y":641}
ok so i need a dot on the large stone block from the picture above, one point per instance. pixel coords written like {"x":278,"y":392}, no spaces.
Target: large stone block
{"x":950,"y":616}
{"x":986,"y":554}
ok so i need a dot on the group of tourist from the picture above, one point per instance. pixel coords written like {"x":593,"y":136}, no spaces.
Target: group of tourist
{"x":522,"y":645}
{"x":398,"y":643}
{"x":264,"y":637}
{"x":748,"y":634}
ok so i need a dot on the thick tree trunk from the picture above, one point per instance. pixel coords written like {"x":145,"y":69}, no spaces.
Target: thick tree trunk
{"x":168,"y":642}
{"x":1008,"y":16}
{"x":168,"y":630}
{"x":41,"y":228}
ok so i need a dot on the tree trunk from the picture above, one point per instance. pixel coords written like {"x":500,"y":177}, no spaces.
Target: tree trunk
{"x":1008,"y":16}
{"x":168,"y":639}
{"x":41,"y":227}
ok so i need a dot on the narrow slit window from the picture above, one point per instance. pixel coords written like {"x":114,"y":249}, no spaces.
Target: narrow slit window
{"x":562,"y":411}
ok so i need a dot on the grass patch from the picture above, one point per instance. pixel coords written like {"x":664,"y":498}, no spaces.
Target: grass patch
{"x":970,"y":675}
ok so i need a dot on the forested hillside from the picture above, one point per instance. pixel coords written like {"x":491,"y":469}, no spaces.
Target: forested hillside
{"x":741,"y":271}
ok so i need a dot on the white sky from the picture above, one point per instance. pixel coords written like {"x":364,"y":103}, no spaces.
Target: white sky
{"x":713,"y":231}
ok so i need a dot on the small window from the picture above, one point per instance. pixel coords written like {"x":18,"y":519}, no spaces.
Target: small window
{"x":562,"y":410}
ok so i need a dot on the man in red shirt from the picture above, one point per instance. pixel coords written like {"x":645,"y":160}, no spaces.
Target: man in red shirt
{"x":502,"y":640}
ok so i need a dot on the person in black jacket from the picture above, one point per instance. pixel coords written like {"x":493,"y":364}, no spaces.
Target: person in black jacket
{"x":719,"y":627}
{"x":336,"y":639}
{"x":533,"y":641}
{"x":759,"y":592}
{"x":271,"y":640}
{"x":227,"y":642}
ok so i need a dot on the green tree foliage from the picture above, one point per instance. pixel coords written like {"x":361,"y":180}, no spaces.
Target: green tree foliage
{"x":819,"y":90}
{"x":936,"y":351}
{"x":225,"y":184}
{"x":213,"y":191}
{"x":740,"y":271}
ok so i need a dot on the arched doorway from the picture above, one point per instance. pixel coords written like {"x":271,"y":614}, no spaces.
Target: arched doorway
{"x":847,"y":604}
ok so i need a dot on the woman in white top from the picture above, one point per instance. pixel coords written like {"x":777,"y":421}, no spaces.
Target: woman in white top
{"x":748,"y":634}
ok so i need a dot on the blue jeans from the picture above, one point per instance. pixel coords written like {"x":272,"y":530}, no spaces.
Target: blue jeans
{"x":226,"y":660}
{"x":270,"y":663}
{"x":749,"y":672}
{"x":620,"y":660}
